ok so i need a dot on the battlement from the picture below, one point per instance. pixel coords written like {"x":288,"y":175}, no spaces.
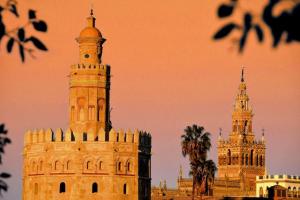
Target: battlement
{"x":89,"y":66}
{"x":48,"y":136}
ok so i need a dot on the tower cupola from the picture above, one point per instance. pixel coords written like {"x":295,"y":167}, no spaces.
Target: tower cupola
{"x":90,"y":42}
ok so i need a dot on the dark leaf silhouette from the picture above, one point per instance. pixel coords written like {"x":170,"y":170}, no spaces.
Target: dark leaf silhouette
{"x":10,"y":44}
{"x":259,"y":33}
{"x":37,"y":43}
{"x":21,"y":34}
{"x":14,"y":10}
{"x":248,"y":20}
{"x":2,"y":28}
{"x":225,"y":10}
{"x":31,"y":14}
{"x":225,"y":31}
{"x":4,"y":175}
{"x":2,"y":129}
{"x":3,"y":186}
{"x":7,"y":141}
{"x":283,"y":24}
{"x":40,"y":26}
{"x":21,"y":51}
{"x":18,"y":34}
{"x":242,"y":42}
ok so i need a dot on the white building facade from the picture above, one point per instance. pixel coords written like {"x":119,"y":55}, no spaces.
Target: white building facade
{"x":291,"y":183}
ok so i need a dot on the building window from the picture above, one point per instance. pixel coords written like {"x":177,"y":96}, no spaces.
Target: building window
{"x":229,"y":157}
{"x":68,"y":165}
{"x":33,"y":166}
{"x":88,"y":165}
{"x":256,"y":160}
{"x":56,"y":165}
{"x":36,"y":188}
{"x":72,"y":113}
{"x":119,"y":166}
{"x":100,"y":167}
{"x":246,"y":159}
{"x":243,"y":159}
{"x":128,"y":166}
{"x":125,"y":189}
{"x":62,"y":187}
{"x":94,"y":188}
{"x":251,"y":157}
{"x":41,"y":165}
{"x":261,"y":160}
{"x":84,"y":137}
{"x":91,"y":112}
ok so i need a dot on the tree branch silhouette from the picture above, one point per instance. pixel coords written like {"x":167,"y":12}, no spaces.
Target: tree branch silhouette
{"x":285,"y":24}
{"x":17,"y":35}
{"x":4,"y":140}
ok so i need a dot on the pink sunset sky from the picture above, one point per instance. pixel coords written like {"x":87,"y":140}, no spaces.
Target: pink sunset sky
{"x":167,"y":73}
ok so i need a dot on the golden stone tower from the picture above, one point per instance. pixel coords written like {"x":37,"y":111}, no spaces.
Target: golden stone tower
{"x":90,"y":160}
{"x":240,"y":158}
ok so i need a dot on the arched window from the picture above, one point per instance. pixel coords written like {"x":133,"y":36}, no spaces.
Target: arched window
{"x":68,"y":164}
{"x":56,"y":165}
{"x":261,"y":192}
{"x":72,"y":113}
{"x":119,"y":166}
{"x":41,"y":165}
{"x":229,"y":157}
{"x":243,"y":159}
{"x":246,"y":159}
{"x":33,"y":166}
{"x":36,"y":188}
{"x":125,"y":189}
{"x":128,"y":166}
{"x":62,"y":187}
{"x":261,"y":160}
{"x":100,"y":166}
{"x":289,"y":191}
{"x":81,"y":114}
{"x":88,"y":164}
{"x":257,"y":160}
{"x":294,"y":192}
{"x":84,"y":137}
{"x":251,"y":157}
{"x":72,"y":137}
{"x":94,"y":188}
{"x":91,"y":112}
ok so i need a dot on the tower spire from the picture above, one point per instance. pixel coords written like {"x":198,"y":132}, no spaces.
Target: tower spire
{"x":242,"y":77}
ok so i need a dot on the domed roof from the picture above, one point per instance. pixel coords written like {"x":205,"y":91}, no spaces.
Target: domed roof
{"x":90,"y":32}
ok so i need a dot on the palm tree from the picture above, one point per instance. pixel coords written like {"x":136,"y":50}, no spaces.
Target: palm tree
{"x":195,"y":143}
{"x":205,"y":175}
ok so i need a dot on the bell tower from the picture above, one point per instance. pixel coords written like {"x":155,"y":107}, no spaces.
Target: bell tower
{"x":240,"y":157}
{"x":242,"y":115}
{"x":89,"y":83}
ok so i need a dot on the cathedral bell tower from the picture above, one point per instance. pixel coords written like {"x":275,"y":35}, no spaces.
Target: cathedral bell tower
{"x":89,"y":83}
{"x":240,"y":157}
{"x":242,"y":115}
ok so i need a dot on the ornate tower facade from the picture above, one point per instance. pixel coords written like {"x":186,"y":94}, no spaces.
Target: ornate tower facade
{"x":90,"y":83}
{"x":240,"y":157}
{"x":89,"y":160}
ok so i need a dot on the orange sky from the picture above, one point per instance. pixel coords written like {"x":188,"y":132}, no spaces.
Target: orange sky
{"x":167,"y":73}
